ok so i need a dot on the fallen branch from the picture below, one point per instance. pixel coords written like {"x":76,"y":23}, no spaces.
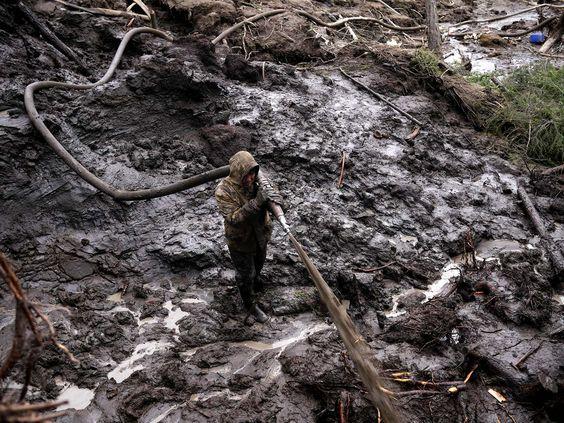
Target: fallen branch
{"x":555,"y":254}
{"x":254,"y":18}
{"x":104,"y":12}
{"x":382,"y":98}
{"x":500,"y":18}
{"x":26,"y":315}
{"x":343,"y":21}
{"x":375,"y":269}
{"x":527,"y":31}
{"x":50,"y":36}
{"x":520,"y":362}
{"x":29,"y":412}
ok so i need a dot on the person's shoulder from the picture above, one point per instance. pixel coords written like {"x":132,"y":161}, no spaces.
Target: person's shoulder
{"x":224,"y":187}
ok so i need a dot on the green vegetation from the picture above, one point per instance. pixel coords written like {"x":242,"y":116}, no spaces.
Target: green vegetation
{"x":427,"y":62}
{"x":532,"y":114}
{"x":483,"y":79}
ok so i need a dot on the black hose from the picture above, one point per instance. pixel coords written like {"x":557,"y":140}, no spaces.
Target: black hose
{"x":83,"y":172}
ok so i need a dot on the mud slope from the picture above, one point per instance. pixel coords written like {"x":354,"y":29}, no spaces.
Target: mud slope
{"x":155,"y":318}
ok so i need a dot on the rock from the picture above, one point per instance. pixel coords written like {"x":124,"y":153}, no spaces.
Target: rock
{"x":411,"y":298}
{"x":491,"y":40}
{"x":77,"y":269}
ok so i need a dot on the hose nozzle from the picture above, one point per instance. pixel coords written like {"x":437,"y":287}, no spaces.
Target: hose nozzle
{"x":279,"y":214}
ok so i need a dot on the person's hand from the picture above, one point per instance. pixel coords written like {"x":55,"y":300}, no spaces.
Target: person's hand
{"x":262,"y":196}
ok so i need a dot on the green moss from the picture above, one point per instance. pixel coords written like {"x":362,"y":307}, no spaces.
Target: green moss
{"x":427,"y":62}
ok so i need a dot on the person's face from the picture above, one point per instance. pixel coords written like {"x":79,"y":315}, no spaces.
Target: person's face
{"x":249,"y":179}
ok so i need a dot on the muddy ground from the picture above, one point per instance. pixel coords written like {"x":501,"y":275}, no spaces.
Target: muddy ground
{"x":143,"y":293}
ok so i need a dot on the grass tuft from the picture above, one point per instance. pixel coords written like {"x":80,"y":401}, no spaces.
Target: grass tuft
{"x":531,"y":116}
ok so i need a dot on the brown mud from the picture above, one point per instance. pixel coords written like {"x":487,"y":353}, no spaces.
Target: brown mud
{"x":154,"y":316}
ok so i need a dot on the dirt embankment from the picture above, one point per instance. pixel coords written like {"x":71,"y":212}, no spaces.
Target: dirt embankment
{"x":155,"y":319}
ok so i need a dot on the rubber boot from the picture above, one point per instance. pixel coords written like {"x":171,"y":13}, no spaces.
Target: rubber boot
{"x":259,"y":315}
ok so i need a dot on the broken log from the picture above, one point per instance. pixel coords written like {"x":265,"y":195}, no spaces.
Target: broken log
{"x":554,"y":252}
{"x":527,"y":31}
{"x":499,"y":18}
{"x":433,"y":33}
{"x":382,"y":98}
{"x":51,"y":37}
{"x":555,"y":37}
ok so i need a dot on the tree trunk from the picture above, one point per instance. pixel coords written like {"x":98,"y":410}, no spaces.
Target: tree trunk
{"x":433,"y":34}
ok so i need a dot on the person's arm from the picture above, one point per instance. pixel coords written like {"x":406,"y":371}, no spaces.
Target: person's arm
{"x":232,"y":212}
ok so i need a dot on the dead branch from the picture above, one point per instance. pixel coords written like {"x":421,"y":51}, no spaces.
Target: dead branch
{"x":499,"y":18}
{"x":529,"y":353}
{"x":555,"y":37}
{"x":382,"y":98}
{"x":25,"y":412}
{"x":527,"y":31}
{"x":555,"y":254}
{"x":27,"y":314}
{"x":254,"y":18}
{"x":50,"y":36}
{"x":104,"y":12}
{"x":343,"y":21}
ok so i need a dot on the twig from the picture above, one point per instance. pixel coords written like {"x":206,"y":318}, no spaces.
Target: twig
{"x":254,"y":18}
{"x":555,"y":254}
{"x":375,"y":269}
{"x":389,"y":7}
{"x":520,"y":362}
{"x":500,"y":18}
{"x":381,"y":98}
{"x":342,"y":175}
{"x":51,"y":37}
{"x":104,"y":12}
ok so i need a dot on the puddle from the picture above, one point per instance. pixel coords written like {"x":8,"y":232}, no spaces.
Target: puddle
{"x":115,"y":298}
{"x":127,"y":367}
{"x":450,"y":271}
{"x":78,"y":398}
{"x":163,"y":410}
{"x":283,"y":343}
{"x":175,"y":314}
{"x":200,"y":397}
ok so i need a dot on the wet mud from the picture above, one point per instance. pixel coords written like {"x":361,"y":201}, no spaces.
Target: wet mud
{"x":425,"y":241}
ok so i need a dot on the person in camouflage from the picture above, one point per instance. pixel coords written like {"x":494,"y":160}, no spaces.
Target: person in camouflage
{"x":243,"y":199}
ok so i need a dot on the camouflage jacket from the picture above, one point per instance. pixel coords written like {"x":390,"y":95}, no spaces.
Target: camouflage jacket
{"x":247,"y":227}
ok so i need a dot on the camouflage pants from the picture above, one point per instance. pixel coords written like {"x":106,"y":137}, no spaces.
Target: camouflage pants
{"x":247,"y":272}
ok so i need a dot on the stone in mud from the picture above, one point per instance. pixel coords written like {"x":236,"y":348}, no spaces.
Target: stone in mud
{"x":411,"y":298}
{"x":491,"y":40}
{"x":77,"y":269}
{"x":238,"y":68}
